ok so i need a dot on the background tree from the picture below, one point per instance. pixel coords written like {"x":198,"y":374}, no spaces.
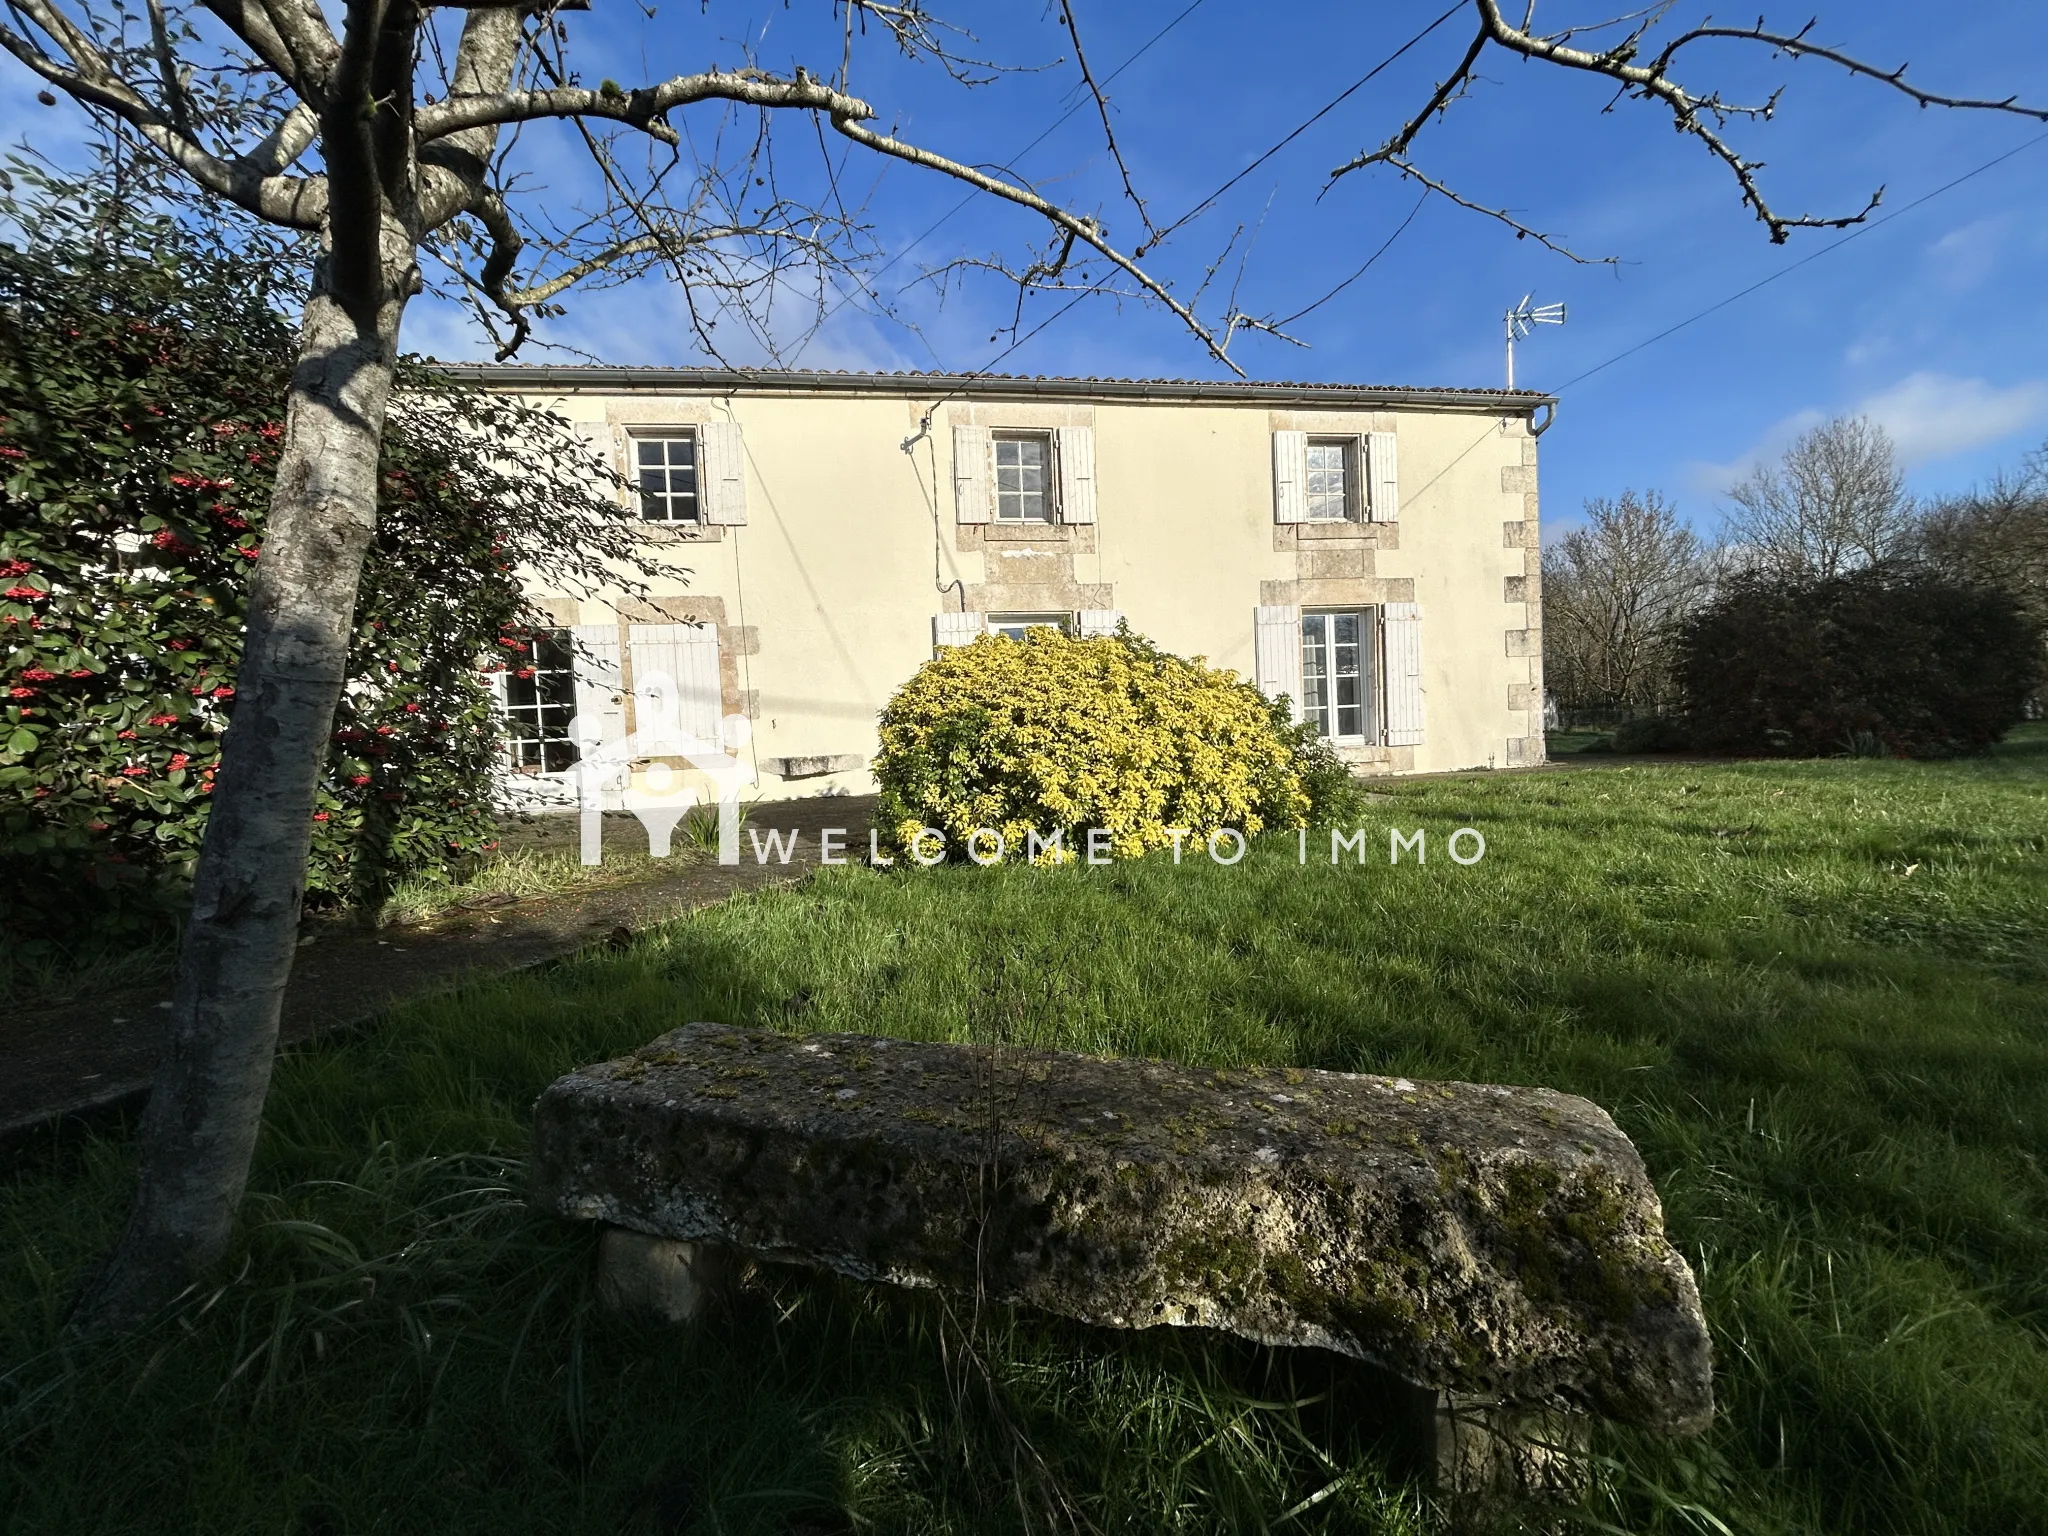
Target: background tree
{"x":1886,"y":660}
{"x":1835,"y":502}
{"x":1996,"y":537}
{"x":381,"y":133}
{"x":1614,"y":591}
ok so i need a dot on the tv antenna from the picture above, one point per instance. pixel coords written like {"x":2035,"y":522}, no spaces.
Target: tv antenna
{"x":1523,"y":319}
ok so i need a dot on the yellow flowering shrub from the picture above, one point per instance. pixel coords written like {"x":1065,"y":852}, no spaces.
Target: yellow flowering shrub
{"x":1050,"y":733}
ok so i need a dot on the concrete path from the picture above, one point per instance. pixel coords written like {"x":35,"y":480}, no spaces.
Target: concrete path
{"x":98,"y":1053}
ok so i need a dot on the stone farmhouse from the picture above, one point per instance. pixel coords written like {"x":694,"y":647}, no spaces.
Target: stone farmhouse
{"x":1371,"y":553}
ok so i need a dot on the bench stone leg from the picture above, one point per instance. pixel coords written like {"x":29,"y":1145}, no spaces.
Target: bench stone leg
{"x":1481,"y":1455}
{"x":662,"y":1278}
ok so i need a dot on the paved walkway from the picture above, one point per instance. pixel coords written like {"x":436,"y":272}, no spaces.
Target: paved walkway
{"x":99,"y":1053}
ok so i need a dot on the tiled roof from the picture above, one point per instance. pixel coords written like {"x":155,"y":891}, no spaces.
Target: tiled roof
{"x":1012,"y":385}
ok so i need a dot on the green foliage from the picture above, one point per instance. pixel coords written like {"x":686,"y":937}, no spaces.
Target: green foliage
{"x":139,"y":428}
{"x":1890,"y":658}
{"x":1812,"y":993}
{"x":1054,"y":734}
{"x":1335,"y":794}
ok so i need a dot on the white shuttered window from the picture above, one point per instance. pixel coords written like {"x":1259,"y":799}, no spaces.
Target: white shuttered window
{"x":1339,"y":667}
{"x":970,"y":474}
{"x":600,"y":684}
{"x":1402,"y":623}
{"x":957,"y":628}
{"x":1099,"y":621}
{"x":675,"y":688}
{"x":1290,"y":477}
{"x":1383,"y":468}
{"x":725,"y":474}
{"x":1076,"y":447}
{"x":1276,"y":650}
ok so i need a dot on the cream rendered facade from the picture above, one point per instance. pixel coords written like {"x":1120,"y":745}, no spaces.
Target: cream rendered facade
{"x":850,"y":523}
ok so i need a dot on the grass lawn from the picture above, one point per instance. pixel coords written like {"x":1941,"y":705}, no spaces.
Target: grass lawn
{"x":1816,"y":994}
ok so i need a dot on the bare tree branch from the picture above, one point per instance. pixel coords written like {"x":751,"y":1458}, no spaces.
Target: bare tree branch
{"x":643,"y":108}
{"x":315,"y":51}
{"x":1701,"y":116}
{"x":1086,"y":229}
{"x":1796,"y":46}
{"x":295,"y":201}
{"x":1689,"y":112}
{"x":281,"y":148}
{"x":1522,"y":231}
{"x":167,"y":70}
{"x":1447,"y":91}
{"x":252,"y":26}
{"x":1108,"y":132}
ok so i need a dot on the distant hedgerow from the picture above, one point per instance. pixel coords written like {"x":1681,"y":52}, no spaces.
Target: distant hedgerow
{"x":1891,"y":660}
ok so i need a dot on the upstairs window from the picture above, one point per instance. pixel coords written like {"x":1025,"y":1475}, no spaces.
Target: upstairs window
{"x":1333,"y":480}
{"x":666,"y":477}
{"x":1023,"y":489}
{"x":539,"y":705}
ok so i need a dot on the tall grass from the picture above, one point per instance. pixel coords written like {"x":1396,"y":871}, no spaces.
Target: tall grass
{"x":1816,"y":994}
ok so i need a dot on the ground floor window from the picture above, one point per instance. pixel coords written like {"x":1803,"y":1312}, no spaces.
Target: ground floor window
{"x":1338,"y":674}
{"x":1014,"y":625}
{"x":538,"y":695}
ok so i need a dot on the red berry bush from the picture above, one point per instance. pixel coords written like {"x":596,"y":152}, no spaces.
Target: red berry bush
{"x":139,"y":433}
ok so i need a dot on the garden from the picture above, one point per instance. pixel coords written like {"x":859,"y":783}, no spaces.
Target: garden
{"x":1814,"y":993}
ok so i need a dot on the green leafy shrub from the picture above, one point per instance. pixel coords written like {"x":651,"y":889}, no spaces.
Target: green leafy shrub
{"x":139,"y":436}
{"x":1053,"y":734}
{"x":1890,"y":660}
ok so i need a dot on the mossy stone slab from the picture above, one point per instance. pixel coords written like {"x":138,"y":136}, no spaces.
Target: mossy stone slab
{"x":1472,"y":1238}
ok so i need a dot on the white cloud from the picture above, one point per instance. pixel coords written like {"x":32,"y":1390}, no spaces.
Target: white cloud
{"x":1966,"y":255}
{"x":1928,"y":416}
{"x":1933,"y":415}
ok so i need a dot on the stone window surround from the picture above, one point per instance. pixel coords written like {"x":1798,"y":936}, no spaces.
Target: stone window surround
{"x":653,"y":416}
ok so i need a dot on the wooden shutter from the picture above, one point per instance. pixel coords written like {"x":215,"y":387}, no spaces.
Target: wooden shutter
{"x":1290,"y":477}
{"x":1383,"y":478}
{"x":675,"y":688}
{"x":603,"y":443}
{"x":1401,"y":641}
{"x":1276,"y":650}
{"x":957,"y":628}
{"x":1076,"y":449}
{"x":1096,"y":622}
{"x":600,"y":684}
{"x":970,"y":474}
{"x":722,"y":473}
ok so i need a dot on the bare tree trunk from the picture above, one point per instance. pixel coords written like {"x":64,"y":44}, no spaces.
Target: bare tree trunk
{"x":199,"y":1132}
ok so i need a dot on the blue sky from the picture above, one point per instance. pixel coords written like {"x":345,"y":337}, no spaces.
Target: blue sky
{"x":1932,"y":322}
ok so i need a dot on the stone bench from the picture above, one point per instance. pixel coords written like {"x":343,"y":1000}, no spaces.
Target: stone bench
{"x":1500,"y":1249}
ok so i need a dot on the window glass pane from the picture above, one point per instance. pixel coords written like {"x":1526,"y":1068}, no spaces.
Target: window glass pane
{"x":1016,"y":626}
{"x":539,"y":706}
{"x":668,"y":478}
{"x":1329,"y":474}
{"x":1336,"y":674}
{"x":1020,"y":479}
{"x":1315,"y":672}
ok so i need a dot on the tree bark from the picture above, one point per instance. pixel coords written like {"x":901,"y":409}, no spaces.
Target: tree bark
{"x":199,"y":1132}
